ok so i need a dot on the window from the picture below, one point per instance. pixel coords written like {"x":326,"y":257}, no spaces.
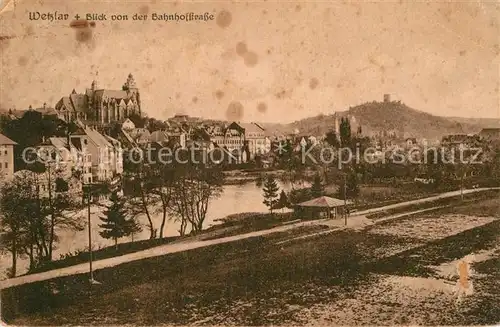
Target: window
{"x":6,"y":165}
{"x":5,"y":152}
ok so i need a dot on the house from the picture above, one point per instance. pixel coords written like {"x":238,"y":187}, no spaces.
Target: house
{"x":106,"y":161}
{"x":247,"y":137}
{"x":160,"y":137}
{"x":410,"y":141}
{"x":66,"y":157}
{"x":141,"y":136}
{"x":460,"y":140}
{"x":216,"y":134}
{"x":177,"y":136}
{"x":256,"y":141}
{"x":6,"y":156}
{"x":234,"y":138}
{"x":128,"y":125}
{"x":116,"y":155}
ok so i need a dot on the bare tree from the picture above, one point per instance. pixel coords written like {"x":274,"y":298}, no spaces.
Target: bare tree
{"x":195,"y":186}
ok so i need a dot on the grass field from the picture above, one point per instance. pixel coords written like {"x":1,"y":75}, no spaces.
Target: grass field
{"x":344,"y":277}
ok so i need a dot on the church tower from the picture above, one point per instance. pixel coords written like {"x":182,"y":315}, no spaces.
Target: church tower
{"x":337,"y":128}
{"x":133,"y":92}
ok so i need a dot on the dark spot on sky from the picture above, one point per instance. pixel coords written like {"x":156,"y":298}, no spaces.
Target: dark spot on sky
{"x":462,"y":53}
{"x":30,"y":30}
{"x":241,"y":48}
{"x":268,"y":51}
{"x":150,"y":65}
{"x":22,"y":61}
{"x":281,"y":94}
{"x":79,"y":23}
{"x":251,"y":59}
{"x":298,"y":8}
{"x":177,"y":95}
{"x":262,"y":107}
{"x":234,"y":111}
{"x":144,"y":10}
{"x":313,"y":83}
{"x":82,"y":29}
{"x":264,"y":11}
{"x":224,"y":19}
{"x":84,"y":35}
{"x":219,"y":94}
{"x":195,"y":99}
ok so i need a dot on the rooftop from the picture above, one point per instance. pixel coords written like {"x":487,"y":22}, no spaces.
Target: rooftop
{"x":4,"y":140}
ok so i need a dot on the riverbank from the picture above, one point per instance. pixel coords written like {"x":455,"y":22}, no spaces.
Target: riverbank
{"x":357,"y":277}
{"x":243,"y":223}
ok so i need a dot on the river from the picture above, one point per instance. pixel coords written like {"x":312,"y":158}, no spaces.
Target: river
{"x":246,"y":197}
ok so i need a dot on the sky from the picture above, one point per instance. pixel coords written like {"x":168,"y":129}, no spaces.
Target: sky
{"x":259,"y":60}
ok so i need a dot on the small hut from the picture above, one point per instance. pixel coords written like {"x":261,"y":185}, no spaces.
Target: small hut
{"x":323,"y":206}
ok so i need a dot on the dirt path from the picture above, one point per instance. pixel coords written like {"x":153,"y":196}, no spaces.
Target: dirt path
{"x":190,"y":244}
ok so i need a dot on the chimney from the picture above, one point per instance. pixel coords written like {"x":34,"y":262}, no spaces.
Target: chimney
{"x":387,"y":98}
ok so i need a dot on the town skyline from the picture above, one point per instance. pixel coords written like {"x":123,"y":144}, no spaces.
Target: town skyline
{"x":270,"y":65}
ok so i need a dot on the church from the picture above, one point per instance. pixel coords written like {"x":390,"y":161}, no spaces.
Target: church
{"x":100,"y":106}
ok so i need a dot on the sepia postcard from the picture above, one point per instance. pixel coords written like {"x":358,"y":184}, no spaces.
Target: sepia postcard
{"x":249,"y":163}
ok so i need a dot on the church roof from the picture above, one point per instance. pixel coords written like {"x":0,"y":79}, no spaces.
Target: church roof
{"x":79,"y":102}
{"x":112,"y":94}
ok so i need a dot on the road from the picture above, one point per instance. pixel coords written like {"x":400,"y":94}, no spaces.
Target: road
{"x":194,"y":244}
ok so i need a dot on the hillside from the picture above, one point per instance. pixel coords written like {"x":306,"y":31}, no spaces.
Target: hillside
{"x":483,"y":122}
{"x":376,"y":117}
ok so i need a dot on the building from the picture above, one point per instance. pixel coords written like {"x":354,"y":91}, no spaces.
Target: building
{"x":101,"y":106}
{"x":61,"y":154}
{"x":460,"y":140}
{"x":411,"y":141}
{"x":177,"y":136}
{"x":106,"y":158}
{"x":217,"y":134}
{"x":6,"y":156}
{"x":141,"y":136}
{"x":128,"y":125}
{"x":256,"y":142}
{"x":234,"y":138}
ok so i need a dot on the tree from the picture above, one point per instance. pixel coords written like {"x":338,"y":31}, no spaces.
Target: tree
{"x":317,"y":188}
{"x":332,"y":139}
{"x":140,"y":179}
{"x":16,"y":203}
{"x":283,"y":201}
{"x":351,"y":187}
{"x":115,"y":223}
{"x":270,"y":192}
{"x":345,"y":132}
{"x":195,"y":186}
{"x":163,"y":187}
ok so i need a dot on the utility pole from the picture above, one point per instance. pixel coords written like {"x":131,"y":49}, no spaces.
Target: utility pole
{"x":88,"y":189}
{"x":345,"y":198}
{"x":89,"y":197}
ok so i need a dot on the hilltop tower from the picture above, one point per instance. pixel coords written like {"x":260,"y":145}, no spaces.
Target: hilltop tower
{"x":387,"y":98}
